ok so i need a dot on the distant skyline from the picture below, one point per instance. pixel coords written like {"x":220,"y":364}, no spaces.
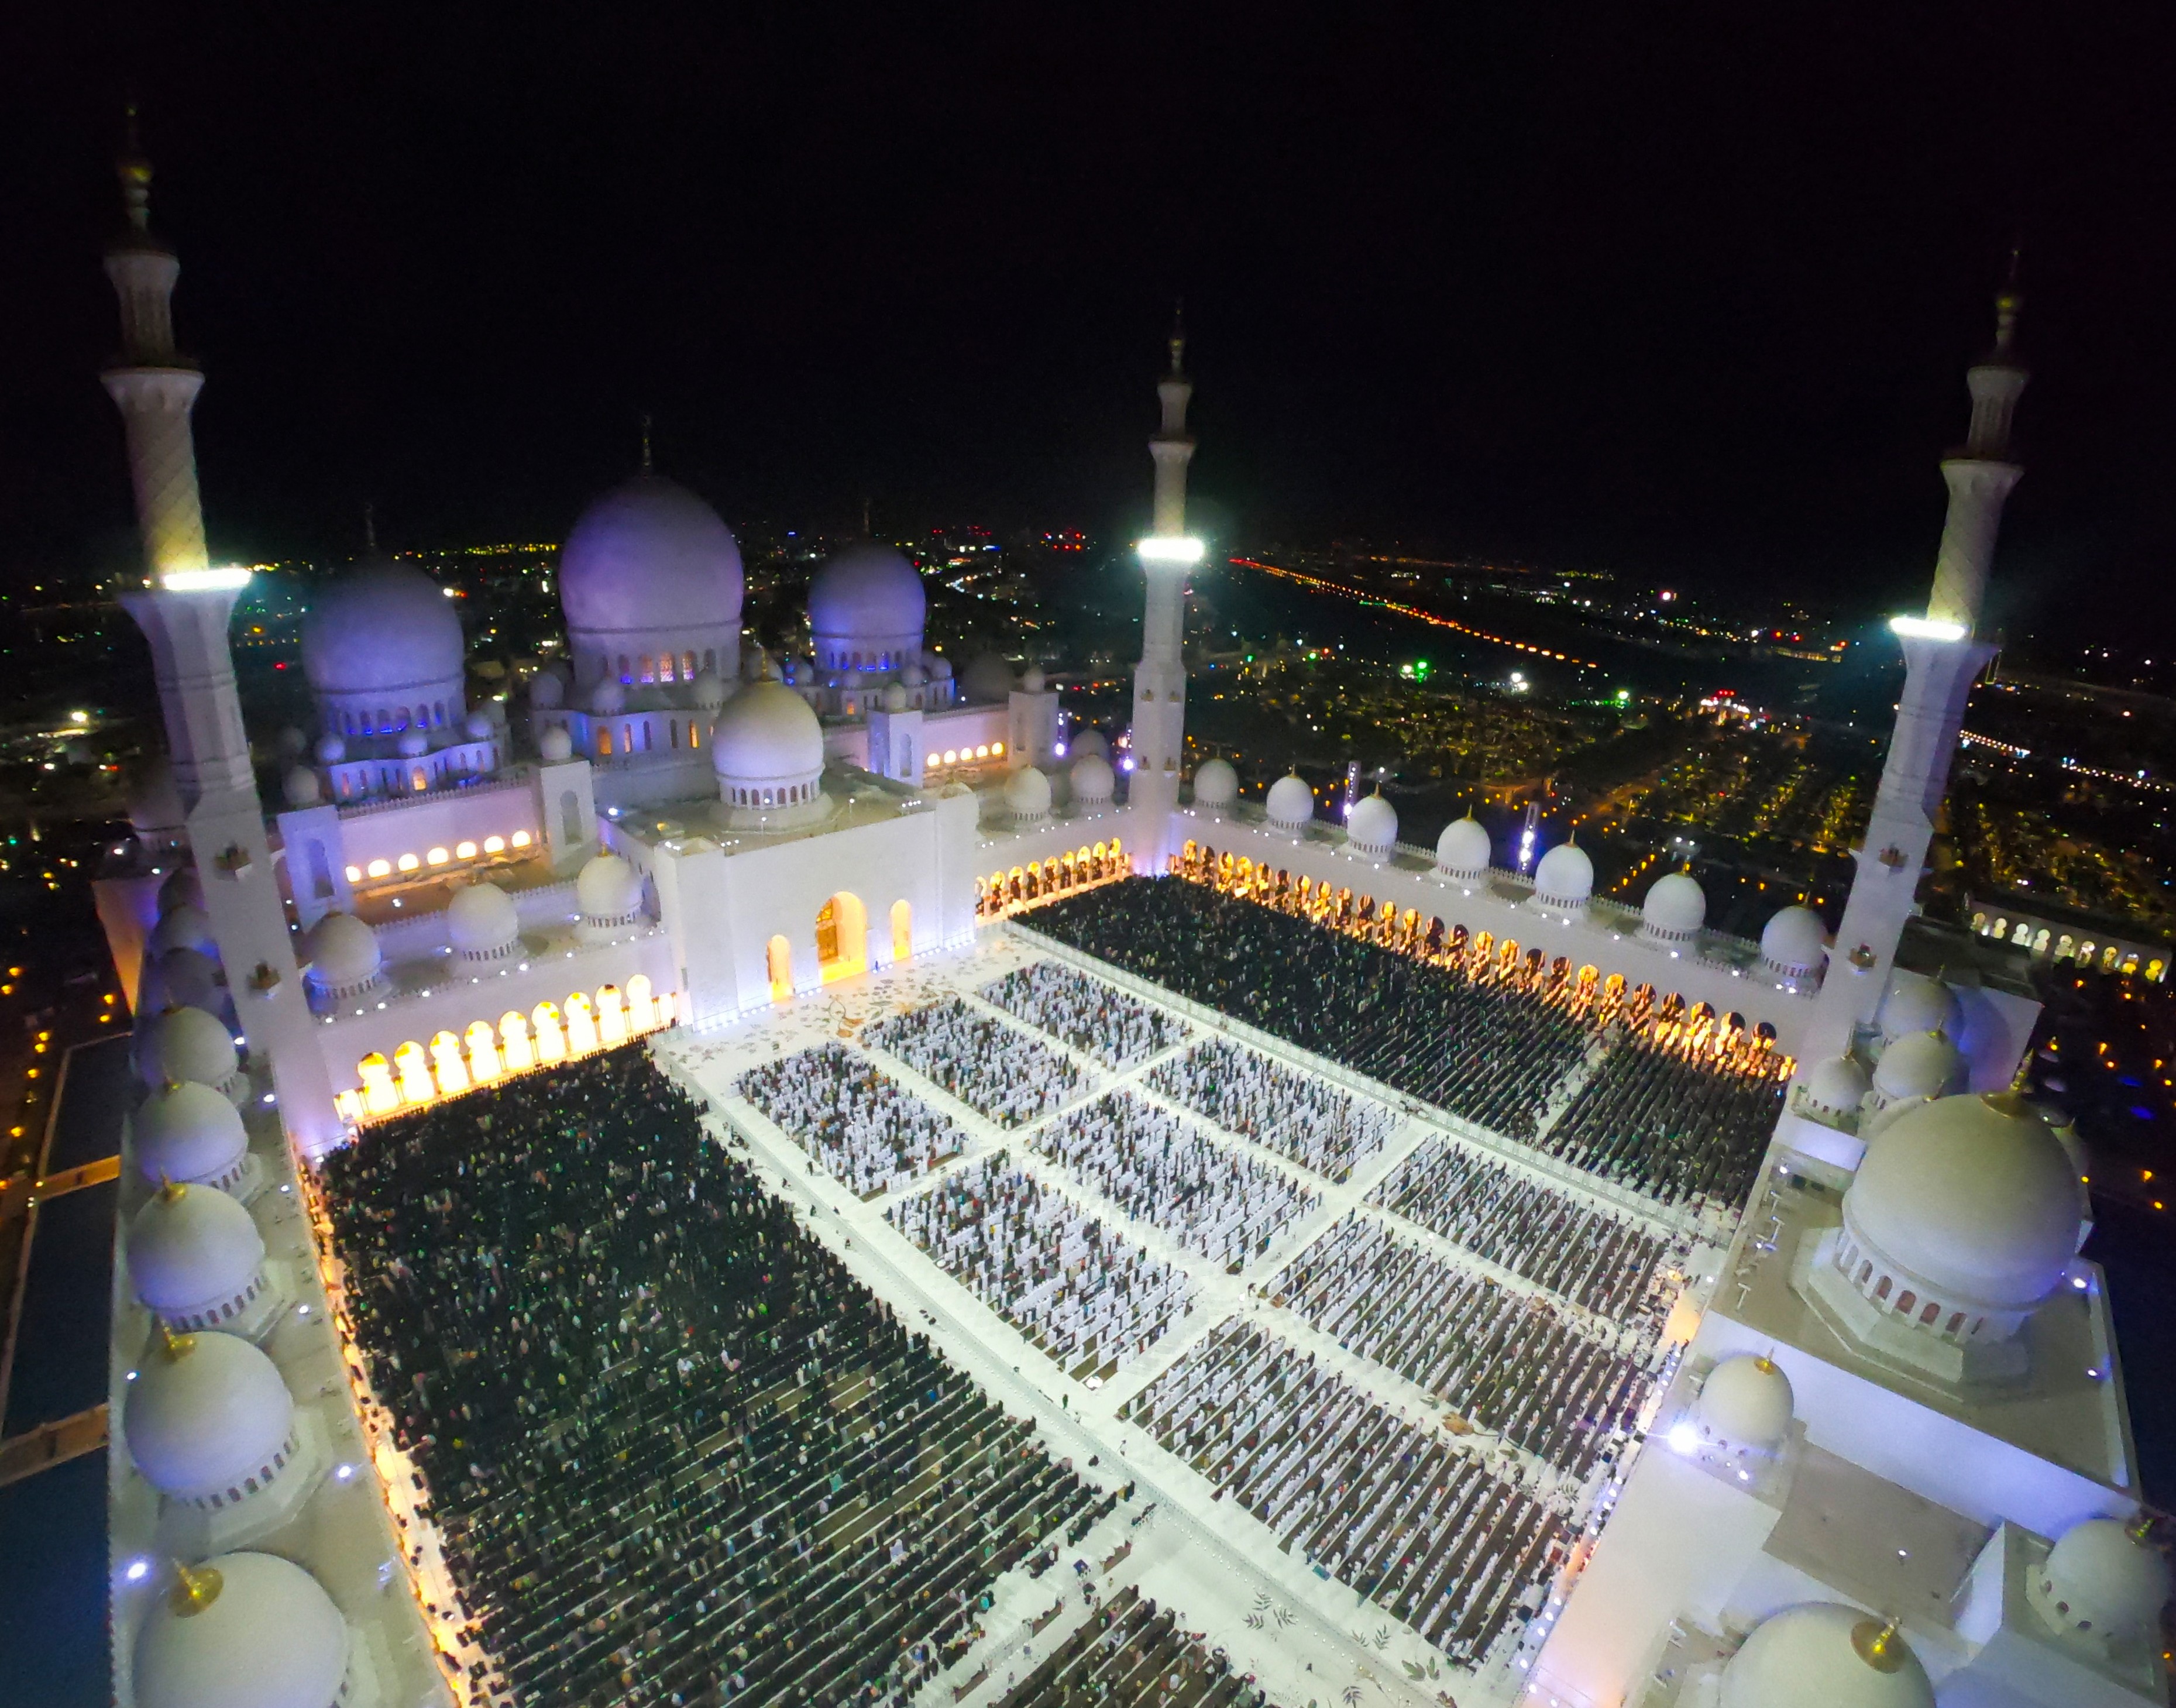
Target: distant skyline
{"x":1692,"y":302}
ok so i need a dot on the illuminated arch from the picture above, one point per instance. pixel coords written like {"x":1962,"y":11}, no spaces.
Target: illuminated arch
{"x":446,"y":1067}
{"x":483,"y":1052}
{"x":778,"y":956}
{"x":514,"y":1044}
{"x":413,"y":1070}
{"x":381,"y":1096}
{"x":551,"y":1040}
{"x":612,"y":1016}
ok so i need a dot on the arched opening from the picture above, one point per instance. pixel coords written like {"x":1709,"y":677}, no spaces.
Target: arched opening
{"x":902,"y":930}
{"x":570,"y":818}
{"x":483,"y":1052}
{"x":414,"y":1072}
{"x":642,"y":1013}
{"x":842,"y":937}
{"x":611,"y":1014}
{"x":380,"y":1096}
{"x":514,"y":1043}
{"x":447,"y":1066}
{"x":551,"y":1042}
{"x":778,"y":953}
{"x":581,"y":1024}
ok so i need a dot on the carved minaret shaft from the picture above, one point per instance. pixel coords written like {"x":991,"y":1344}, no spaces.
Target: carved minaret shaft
{"x":1167,"y":556}
{"x":1942,"y":660}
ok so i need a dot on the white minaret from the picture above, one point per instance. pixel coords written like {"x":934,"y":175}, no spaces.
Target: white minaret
{"x":1942,"y":658}
{"x":1159,"y":734}
{"x":184,"y":607}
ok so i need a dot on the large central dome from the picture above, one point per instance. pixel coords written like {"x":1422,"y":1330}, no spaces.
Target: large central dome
{"x":381,"y":648}
{"x":651,"y":569}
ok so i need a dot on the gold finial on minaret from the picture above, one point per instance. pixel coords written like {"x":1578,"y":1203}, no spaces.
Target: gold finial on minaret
{"x":195,"y":1589}
{"x":1879,"y":1645}
{"x":1178,"y":335}
{"x":2008,"y":302}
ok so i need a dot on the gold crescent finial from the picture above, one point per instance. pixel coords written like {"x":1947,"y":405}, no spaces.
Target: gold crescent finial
{"x":1879,"y":1645}
{"x":195,"y":1589}
{"x":171,"y":1190}
{"x":175,"y":1346}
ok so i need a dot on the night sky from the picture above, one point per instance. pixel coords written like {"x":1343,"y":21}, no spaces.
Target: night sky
{"x":1683,"y":292}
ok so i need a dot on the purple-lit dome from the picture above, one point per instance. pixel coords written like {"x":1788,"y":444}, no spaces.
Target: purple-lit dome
{"x":649,"y":555}
{"x":866,"y":606}
{"x":383,"y":629}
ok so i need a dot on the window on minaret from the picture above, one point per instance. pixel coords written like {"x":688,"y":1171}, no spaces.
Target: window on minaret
{"x":646,"y":670}
{"x":665,"y":670}
{"x":688,"y":665}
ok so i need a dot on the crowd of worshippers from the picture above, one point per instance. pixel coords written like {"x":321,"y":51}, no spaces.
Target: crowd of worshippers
{"x":676,"y":1452}
{"x":1506,"y":1363}
{"x":1294,"y":1113}
{"x":1681,"y":1130}
{"x":1602,"y":1262}
{"x":868,"y":1131}
{"x":1003,"y":1075}
{"x":1487,"y":1050}
{"x":1128,"y":1653}
{"x":1117,"y":1029}
{"x":1090,"y":1298}
{"x":1398,"y":1510}
{"x":1167,"y":1171}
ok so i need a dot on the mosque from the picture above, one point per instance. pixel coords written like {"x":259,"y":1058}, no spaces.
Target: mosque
{"x":1893,"y":1467}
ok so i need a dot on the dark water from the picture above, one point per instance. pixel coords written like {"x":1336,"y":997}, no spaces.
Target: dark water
{"x":2133,"y":1246}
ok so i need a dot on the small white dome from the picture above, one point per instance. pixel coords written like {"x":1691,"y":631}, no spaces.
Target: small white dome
{"x":190,"y":975}
{"x":189,"y":1134}
{"x":1676,"y":905}
{"x":709,"y":690}
{"x":331,"y":750}
{"x":989,"y":677}
{"x":189,"y":1244}
{"x":481,"y":922}
{"x":2097,"y":1579}
{"x":1086,"y":740}
{"x":1824,"y":1654}
{"x":183,"y":926}
{"x":867,"y":592}
{"x":186,"y":1043}
{"x":478,"y":726}
{"x":1975,"y":1200}
{"x":205,"y":1414}
{"x":1746,"y":1402}
{"x":766,"y":736}
{"x":1919,"y":1064}
{"x":940,"y":668}
{"x":382,"y":627}
{"x":1290,"y":803}
{"x":1917,"y":1004}
{"x":608,"y":696}
{"x":342,"y":952}
{"x":1565,"y":877}
{"x":1027,"y":794}
{"x":555,"y":746}
{"x":291,"y":743}
{"x":271,"y":1637}
{"x":1463,"y":849}
{"x":895,"y":697}
{"x":1836,"y":1086}
{"x":912,"y":675}
{"x":547,"y":690}
{"x":1216,"y":784}
{"x":1793,"y":941}
{"x":300,"y":787}
{"x":183,"y":888}
{"x":1372,"y":826}
{"x":648,"y":556}
{"x":607,"y":888}
{"x":1092,"y":778}
{"x":413,"y":744}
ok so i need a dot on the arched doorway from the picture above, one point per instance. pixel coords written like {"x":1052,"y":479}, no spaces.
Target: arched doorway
{"x":779,"y":953}
{"x":902,"y":930}
{"x":842,"y":937}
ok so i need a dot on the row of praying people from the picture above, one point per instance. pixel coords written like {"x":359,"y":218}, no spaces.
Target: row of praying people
{"x":1602,"y":1262}
{"x":675,"y":1454}
{"x":1511,"y":1364}
{"x":1392,"y":1507}
{"x":1002,"y":1073}
{"x":1293,"y":1113}
{"x":1681,"y":1130}
{"x":1097,"y":1020}
{"x":1486,"y":1050}
{"x":1088,"y":1296}
{"x":1130,"y":1654}
{"x":867,"y":1130}
{"x":1165,"y":1171}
